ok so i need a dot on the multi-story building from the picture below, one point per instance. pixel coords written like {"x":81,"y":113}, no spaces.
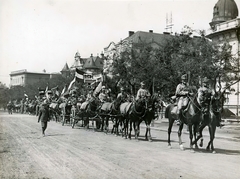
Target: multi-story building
{"x":23,"y":77}
{"x":134,"y":40}
{"x":225,"y":27}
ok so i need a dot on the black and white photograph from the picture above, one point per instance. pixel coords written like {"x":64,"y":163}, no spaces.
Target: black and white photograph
{"x":119,"y":89}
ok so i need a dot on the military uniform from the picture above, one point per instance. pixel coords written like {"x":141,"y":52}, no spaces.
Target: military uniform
{"x":103,"y":96}
{"x":181,"y":94}
{"x":142,"y":92}
{"x":123,"y":96}
{"x":204,"y":96}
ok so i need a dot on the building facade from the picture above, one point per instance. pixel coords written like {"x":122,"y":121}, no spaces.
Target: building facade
{"x":23,"y":78}
{"x":225,"y":28}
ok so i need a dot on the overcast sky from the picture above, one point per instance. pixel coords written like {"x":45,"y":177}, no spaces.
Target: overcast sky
{"x":45,"y":34}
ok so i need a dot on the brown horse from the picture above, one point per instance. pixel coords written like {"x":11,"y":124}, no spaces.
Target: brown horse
{"x":133,"y":114}
{"x":191,"y":116}
{"x":211,"y":119}
{"x":152,"y":104}
{"x":110,"y":110}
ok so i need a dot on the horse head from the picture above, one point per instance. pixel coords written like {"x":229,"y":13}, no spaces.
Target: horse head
{"x":217,"y":102}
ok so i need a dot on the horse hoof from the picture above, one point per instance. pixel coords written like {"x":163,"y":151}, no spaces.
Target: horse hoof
{"x":181,"y":147}
{"x":214,"y":152}
{"x":170,"y":147}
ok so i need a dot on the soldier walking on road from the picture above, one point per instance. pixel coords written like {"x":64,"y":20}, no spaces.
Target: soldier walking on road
{"x":44,"y":116}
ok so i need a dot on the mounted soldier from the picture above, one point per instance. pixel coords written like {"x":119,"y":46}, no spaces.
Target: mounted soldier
{"x":143,"y":92}
{"x":103,"y":96}
{"x":181,"y":94}
{"x":123,"y":96}
{"x":204,"y":95}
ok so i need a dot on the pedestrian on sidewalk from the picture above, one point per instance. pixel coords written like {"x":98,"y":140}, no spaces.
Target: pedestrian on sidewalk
{"x":44,"y":116}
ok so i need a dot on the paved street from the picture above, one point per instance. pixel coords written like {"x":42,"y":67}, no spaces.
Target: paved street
{"x":80,"y":153}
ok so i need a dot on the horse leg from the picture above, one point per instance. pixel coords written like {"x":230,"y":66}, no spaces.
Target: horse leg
{"x":191,"y":137}
{"x":148,"y":131}
{"x":130,"y":130}
{"x":126,"y":127}
{"x":170,"y":124}
{"x":106,"y":124}
{"x":179,"y":136}
{"x":212,"y":130}
{"x":195,"y":135}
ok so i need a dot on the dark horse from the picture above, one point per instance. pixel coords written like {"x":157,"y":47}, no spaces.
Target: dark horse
{"x":110,"y":110}
{"x":191,"y":116}
{"x":152,"y":104}
{"x":88,"y":109}
{"x":133,"y":114}
{"x":211,"y":119}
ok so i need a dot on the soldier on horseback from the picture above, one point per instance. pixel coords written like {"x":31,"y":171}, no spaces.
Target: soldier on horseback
{"x":143,"y":92}
{"x":123,"y":96}
{"x":204,"y":96}
{"x":181,"y":94}
{"x":103,"y":96}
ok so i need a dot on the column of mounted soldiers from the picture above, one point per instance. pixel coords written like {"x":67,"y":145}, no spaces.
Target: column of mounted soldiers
{"x":181,"y":97}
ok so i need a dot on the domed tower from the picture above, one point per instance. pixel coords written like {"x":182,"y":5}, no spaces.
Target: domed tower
{"x":224,"y":10}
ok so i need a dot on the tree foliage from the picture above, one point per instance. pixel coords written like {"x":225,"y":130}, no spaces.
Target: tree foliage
{"x":178,"y":55}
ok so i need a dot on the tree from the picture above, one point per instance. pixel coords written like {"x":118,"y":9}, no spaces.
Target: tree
{"x":178,"y":55}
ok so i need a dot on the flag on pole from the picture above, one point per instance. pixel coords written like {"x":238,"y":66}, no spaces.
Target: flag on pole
{"x":46,"y":93}
{"x":79,"y":75}
{"x":98,"y":89}
{"x":64,"y":90}
{"x":72,"y":82}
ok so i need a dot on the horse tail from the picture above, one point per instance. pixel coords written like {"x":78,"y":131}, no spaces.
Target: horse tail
{"x":167,"y":110}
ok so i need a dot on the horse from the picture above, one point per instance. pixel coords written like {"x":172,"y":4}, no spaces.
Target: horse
{"x":191,"y":116}
{"x":211,"y":119}
{"x":152,"y":104}
{"x":132,"y":114}
{"x":110,"y":109}
{"x":88,"y":109}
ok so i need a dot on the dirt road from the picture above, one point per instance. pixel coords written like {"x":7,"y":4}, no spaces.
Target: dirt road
{"x":67,"y":153}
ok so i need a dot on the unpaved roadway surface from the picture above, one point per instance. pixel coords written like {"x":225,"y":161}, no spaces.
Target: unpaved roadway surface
{"x":67,"y":153}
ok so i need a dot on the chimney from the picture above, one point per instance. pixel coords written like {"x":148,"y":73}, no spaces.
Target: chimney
{"x":130,"y":33}
{"x":166,"y":33}
{"x":151,"y":31}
